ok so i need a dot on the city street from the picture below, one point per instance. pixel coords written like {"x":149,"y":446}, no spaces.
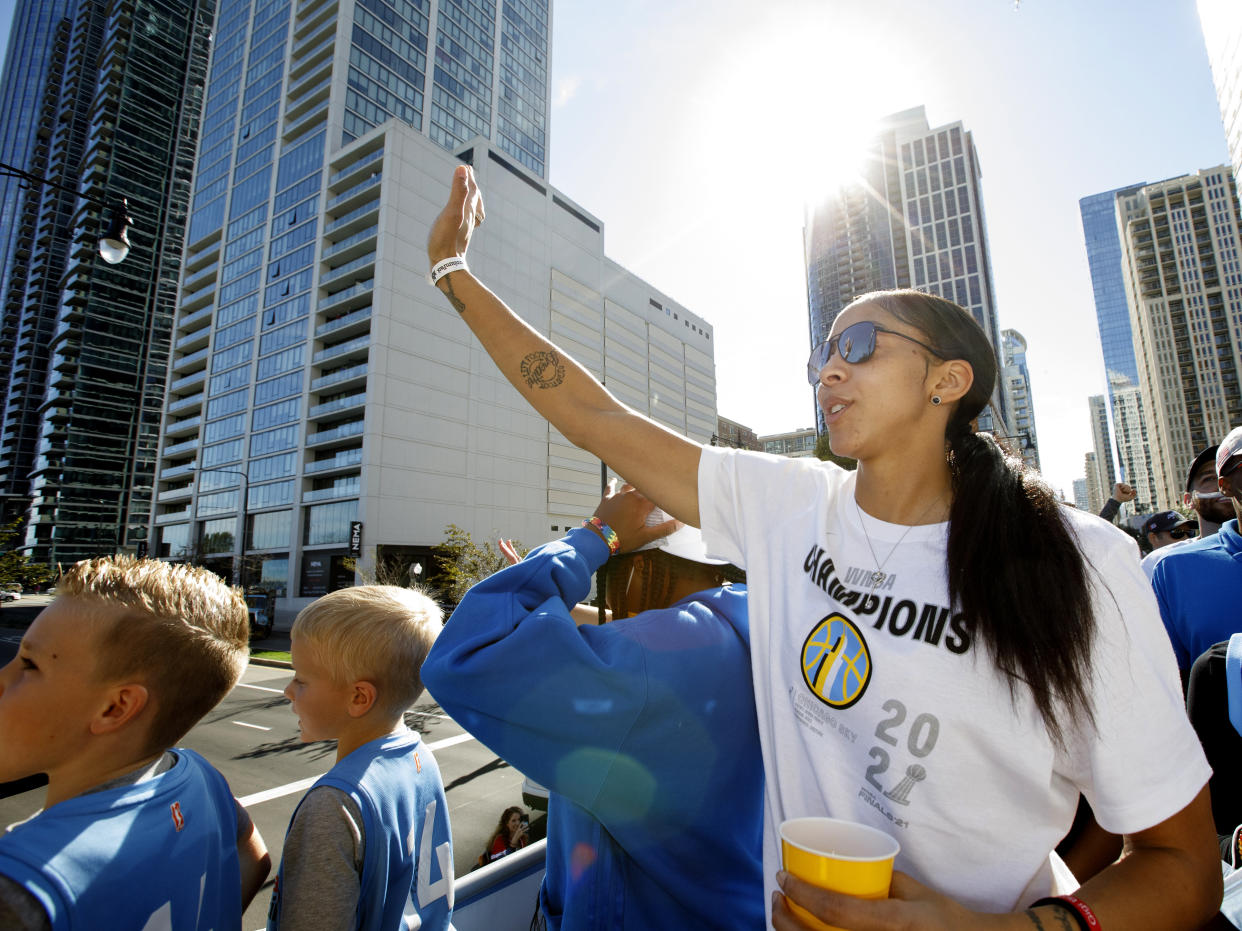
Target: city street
{"x":252,"y":738}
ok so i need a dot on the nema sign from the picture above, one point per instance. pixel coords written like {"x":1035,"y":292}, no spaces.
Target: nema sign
{"x":355,"y":538}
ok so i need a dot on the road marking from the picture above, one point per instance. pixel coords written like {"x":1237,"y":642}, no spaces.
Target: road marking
{"x":257,"y":727}
{"x":261,"y":688}
{"x":302,"y":785}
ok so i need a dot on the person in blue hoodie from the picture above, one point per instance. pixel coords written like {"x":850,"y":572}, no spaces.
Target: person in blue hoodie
{"x":643,"y":729}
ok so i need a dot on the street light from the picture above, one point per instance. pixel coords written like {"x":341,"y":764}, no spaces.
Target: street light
{"x":114,"y":243}
{"x":241,"y":538}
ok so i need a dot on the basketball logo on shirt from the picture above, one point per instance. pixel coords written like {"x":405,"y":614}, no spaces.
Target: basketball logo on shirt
{"x":178,"y":818}
{"x":836,"y":663}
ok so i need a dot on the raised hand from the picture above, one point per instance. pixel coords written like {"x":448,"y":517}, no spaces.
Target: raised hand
{"x":450,"y":233}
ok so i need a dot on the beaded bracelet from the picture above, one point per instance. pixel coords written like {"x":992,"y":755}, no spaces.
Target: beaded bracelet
{"x":609,"y":535}
{"x":1081,"y":910}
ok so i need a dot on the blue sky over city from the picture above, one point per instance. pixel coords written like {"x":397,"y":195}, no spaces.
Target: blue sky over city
{"x":698,"y":129}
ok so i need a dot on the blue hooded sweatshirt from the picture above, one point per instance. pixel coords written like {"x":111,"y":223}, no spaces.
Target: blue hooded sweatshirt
{"x":643,"y":730}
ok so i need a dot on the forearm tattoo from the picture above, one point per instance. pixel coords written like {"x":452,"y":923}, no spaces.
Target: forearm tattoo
{"x":1064,"y":921}
{"x":458,"y":304}
{"x":543,"y":370}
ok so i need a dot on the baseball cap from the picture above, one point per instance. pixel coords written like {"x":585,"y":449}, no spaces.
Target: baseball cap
{"x":1208,"y":455}
{"x":1165,"y":521}
{"x":686,"y":541}
{"x":1230,"y":448}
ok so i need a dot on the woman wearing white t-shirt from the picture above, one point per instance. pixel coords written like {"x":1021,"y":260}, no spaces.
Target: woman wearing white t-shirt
{"x":940,"y":648}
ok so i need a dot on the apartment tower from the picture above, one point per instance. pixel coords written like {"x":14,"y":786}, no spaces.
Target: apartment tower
{"x":327,"y":408}
{"x":1181,"y":259}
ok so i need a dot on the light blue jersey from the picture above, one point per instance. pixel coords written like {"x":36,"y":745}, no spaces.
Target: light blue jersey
{"x":407,"y":868}
{"x":158,"y":854}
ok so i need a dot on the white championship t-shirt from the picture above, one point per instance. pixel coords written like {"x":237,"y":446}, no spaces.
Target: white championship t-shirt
{"x":874,"y":704}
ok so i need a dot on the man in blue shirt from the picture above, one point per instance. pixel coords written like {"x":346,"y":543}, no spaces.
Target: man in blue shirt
{"x":643,"y":729}
{"x":1199,"y":585}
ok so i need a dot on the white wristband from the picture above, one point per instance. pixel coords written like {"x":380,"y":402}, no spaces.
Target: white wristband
{"x":454,"y":263}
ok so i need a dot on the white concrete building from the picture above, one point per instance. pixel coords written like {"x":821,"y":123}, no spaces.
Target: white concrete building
{"x":397,"y":420}
{"x":1015,"y":380}
{"x":1133,"y":445}
{"x":795,"y":444}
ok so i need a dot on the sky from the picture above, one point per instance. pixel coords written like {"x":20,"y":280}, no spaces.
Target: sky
{"x":697,"y":130}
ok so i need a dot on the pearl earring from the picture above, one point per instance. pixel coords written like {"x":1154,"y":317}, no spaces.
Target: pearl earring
{"x":936,"y":400}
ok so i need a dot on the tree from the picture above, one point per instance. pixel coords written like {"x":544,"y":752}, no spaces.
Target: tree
{"x":824,"y":453}
{"x":464,"y":562}
{"x":15,"y":565}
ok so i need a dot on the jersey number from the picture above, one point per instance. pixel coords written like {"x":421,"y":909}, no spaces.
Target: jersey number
{"x":427,"y":890}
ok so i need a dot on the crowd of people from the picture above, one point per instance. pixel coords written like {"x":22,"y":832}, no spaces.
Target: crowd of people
{"x":931,"y":644}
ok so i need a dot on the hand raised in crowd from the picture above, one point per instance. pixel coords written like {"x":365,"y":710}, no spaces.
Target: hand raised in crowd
{"x":508,"y":552}
{"x":450,"y":233}
{"x":625,"y":510}
{"x":1123,"y":492}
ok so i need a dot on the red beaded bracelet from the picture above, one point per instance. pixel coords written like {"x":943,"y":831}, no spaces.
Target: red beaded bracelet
{"x":1080,"y":909}
{"x":609,"y":535}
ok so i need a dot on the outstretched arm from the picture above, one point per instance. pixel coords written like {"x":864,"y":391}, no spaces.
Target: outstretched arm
{"x":664,"y":464}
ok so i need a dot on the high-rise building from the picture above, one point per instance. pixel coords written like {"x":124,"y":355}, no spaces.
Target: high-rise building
{"x":913,"y":219}
{"x":1095,"y":490}
{"x":118,"y":118}
{"x":1222,"y":31}
{"x":1133,"y":445}
{"x":1016,"y":383}
{"x":1101,"y":461}
{"x":1183,"y":270}
{"x":1112,"y":312}
{"x":38,"y":39}
{"x":1080,"y":494}
{"x":326,"y":404}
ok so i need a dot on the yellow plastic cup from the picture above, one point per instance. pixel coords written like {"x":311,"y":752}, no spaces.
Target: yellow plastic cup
{"x":841,"y":856}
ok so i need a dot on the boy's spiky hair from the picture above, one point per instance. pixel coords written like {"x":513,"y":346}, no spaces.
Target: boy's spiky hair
{"x":180,"y":630}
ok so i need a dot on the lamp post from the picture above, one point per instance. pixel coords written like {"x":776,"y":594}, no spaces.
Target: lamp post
{"x":243,"y":510}
{"x":114,"y":243}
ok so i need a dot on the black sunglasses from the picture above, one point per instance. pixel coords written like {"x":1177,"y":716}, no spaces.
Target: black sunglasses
{"x":856,"y":343}
{"x":1181,"y":534}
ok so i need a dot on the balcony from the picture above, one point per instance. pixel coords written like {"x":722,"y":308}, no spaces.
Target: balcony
{"x":182,"y":493}
{"x":342,"y":246}
{"x":342,"y":378}
{"x":187,"y":446}
{"x":181,"y":427}
{"x":343,"y":432}
{"x":168,"y":474}
{"x":351,"y":193}
{"x":190,"y":361}
{"x":357,"y":347}
{"x":307,"y":96}
{"x":338,"y":406}
{"x":195,"y":320}
{"x":200,"y":278}
{"x":312,"y":53}
{"x":364,"y":264}
{"x":198,"y":300}
{"x":306,"y":123}
{"x":348,"y":488}
{"x":358,"y":320}
{"x":194,"y":401}
{"x":193,"y":380}
{"x":168,"y":517}
{"x":355,"y":219}
{"x":353,"y":296}
{"x":346,"y":459}
{"x":192,"y":341}
{"x":354,"y":167}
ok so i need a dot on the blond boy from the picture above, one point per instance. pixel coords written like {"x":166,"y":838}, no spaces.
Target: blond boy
{"x":369,"y":844}
{"x":126,"y":659}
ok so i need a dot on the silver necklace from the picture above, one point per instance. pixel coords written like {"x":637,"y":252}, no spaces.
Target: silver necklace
{"x":877,"y":578}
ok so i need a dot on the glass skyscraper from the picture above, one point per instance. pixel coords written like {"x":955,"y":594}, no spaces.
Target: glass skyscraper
{"x":914,"y":219}
{"x":118,"y":118}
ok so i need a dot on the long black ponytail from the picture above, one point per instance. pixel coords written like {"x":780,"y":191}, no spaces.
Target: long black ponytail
{"x":1014,"y":568}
